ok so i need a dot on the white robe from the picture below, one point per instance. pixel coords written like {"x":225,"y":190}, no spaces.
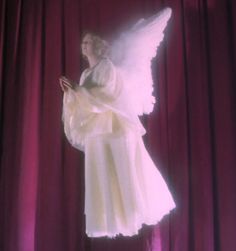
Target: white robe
{"x":123,"y":187}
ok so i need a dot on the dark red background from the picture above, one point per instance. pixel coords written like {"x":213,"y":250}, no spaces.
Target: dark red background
{"x":191,"y":134}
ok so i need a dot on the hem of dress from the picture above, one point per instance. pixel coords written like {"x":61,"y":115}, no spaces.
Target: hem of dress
{"x":125,"y":234}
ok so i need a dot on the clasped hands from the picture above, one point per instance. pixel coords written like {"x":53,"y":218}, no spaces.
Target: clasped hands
{"x":65,"y":83}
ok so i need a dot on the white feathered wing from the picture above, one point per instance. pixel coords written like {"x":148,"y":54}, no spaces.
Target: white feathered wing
{"x":132,"y":53}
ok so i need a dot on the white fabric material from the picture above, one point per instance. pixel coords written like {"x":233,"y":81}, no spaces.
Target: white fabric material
{"x":123,"y":187}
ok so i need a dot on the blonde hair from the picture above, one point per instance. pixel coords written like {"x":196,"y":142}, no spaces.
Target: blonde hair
{"x":100,"y":46}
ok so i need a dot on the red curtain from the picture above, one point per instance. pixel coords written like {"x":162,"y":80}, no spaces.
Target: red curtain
{"x":191,"y":135}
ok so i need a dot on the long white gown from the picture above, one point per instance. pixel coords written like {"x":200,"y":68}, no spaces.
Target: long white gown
{"x":123,"y":187}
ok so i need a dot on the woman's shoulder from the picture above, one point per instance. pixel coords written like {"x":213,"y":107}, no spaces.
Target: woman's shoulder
{"x":106,"y":61}
{"x":105,"y":65}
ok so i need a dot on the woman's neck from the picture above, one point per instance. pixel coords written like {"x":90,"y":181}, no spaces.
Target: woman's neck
{"x":93,"y":60}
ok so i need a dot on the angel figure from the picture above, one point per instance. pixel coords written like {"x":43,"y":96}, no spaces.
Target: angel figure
{"x":123,"y":187}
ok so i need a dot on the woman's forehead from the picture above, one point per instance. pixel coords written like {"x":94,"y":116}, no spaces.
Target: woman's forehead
{"x":87,"y":37}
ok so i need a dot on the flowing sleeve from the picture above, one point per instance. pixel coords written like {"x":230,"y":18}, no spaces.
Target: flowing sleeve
{"x":87,"y":108}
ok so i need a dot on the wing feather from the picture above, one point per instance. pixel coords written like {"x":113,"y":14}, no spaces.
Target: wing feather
{"x":132,"y":53}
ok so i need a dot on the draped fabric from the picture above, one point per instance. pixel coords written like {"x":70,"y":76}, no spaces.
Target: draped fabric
{"x":190,"y":134}
{"x":123,"y":187}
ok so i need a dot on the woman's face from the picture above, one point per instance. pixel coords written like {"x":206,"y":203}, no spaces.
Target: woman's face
{"x":87,"y":45}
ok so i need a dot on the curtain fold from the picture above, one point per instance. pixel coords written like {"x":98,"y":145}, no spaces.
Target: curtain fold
{"x":191,"y":134}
